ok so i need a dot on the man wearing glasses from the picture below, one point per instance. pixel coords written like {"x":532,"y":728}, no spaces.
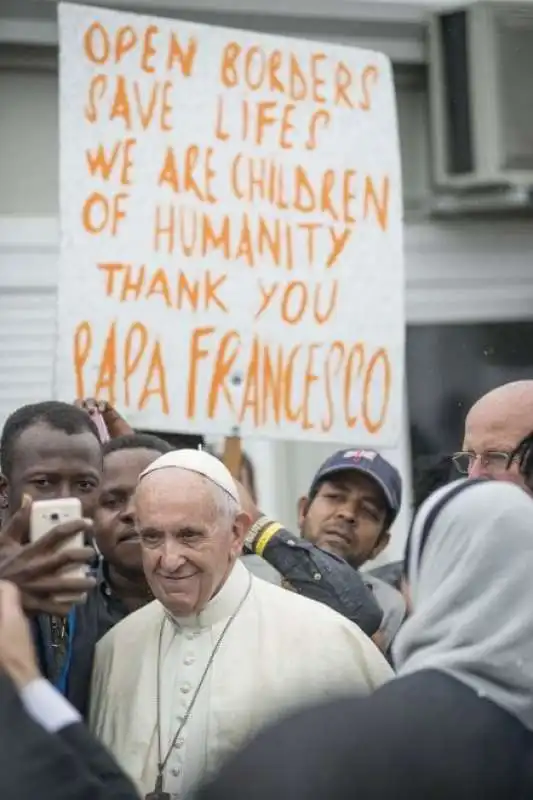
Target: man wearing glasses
{"x":495,"y":427}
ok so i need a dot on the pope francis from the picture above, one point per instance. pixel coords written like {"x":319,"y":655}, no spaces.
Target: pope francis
{"x":184,"y":681}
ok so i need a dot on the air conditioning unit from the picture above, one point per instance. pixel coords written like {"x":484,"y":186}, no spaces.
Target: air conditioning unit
{"x":481,"y":95}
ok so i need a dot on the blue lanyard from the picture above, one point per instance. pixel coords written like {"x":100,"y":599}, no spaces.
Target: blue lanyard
{"x":62,"y":681}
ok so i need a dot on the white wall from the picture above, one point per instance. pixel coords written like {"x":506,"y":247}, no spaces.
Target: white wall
{"x":396,"y":27}
{"x":28,"y":258}
{"x":29,"y":142}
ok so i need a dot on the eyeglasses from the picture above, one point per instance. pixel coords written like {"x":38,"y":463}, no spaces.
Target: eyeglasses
{"x":493,"y":461}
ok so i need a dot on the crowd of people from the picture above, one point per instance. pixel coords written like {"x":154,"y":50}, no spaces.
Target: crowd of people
{"x":194,"y":647}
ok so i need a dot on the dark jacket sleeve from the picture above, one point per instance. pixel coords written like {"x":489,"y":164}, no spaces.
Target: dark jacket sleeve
{"x":321,"y":576}
{"x":424,"y":737}
{"x":98,"y":762}
{"x":70,"y":765}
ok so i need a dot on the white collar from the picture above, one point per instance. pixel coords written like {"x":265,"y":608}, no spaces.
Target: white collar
{"x":223,"y":604}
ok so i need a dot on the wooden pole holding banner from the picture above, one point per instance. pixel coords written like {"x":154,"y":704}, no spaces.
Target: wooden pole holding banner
{"x":232,"y":455}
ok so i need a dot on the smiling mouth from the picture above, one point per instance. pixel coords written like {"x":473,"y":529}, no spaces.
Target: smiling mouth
{"x":177,"y":578}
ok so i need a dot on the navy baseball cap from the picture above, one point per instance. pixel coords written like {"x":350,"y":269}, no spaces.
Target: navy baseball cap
{"x":369,"y":463}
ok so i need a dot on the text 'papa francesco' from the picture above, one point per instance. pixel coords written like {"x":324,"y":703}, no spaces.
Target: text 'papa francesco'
{"x":281,"y":384}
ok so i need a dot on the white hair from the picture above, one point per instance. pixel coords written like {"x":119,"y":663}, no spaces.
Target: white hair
{"x":226,"y":507}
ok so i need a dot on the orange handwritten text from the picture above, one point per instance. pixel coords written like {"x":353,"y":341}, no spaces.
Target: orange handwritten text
{"x":345,"y":196}
{"x":117,"y":98}
{"x":104,"y":161}
{"x":247,"y":121}
{"x":176,"y":289}
{"x":298,"y":300}
{"x":101,"y":213}
{"x":131,"y":368}
{"x":251,"y":239}
{"x":313,"y":77}
{"x":282,"y":385}
{"x":190,"y":173}
{"x":149,"y":48}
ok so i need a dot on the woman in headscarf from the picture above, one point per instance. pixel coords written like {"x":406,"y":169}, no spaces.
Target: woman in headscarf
{"x":457,"y":722}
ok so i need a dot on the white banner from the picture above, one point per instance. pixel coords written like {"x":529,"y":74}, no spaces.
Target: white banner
{"x":231,"y":212}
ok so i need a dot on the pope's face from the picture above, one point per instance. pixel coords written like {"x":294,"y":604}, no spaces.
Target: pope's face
{"x":189,"y":544}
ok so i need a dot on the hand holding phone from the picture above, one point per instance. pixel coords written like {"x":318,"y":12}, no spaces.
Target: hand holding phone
{"x":50,"y":572}
{"x":48,"y":514}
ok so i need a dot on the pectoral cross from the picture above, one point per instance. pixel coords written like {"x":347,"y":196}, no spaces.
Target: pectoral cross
{"x":158,"y":793}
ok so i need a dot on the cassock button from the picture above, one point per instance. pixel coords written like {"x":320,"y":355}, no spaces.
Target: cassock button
{"x":186,"y":688}
{"x":179,"y":743}
{"x":317,"y":576}
{"x":189,"y":660}
{"x":175,"y":773}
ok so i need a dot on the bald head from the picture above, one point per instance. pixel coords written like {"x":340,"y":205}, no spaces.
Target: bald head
{"x":497,"y":423}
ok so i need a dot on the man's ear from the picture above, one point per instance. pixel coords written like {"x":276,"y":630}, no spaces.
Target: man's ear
{"x":241,"y":526}
{"x":303,"y":508}
{"x":381,"y":544}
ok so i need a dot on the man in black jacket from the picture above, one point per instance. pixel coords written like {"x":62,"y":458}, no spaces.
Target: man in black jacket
{"x":46,"y":751}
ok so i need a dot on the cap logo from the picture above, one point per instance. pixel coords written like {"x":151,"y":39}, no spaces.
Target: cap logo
{"x":358,"y":454}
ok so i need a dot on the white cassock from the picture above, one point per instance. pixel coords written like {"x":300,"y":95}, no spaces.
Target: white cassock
{"x":281,"y":652}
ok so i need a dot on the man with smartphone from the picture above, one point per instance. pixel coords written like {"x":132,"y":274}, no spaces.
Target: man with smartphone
{"x":49,"y":451}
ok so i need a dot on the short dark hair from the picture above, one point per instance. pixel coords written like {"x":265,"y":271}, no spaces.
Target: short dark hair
{"x":431,"y":473}
{"x":523,"y":454}
{"x":137,"y":441}
{"x":179,"y":441}
{"x":60,"y":416}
